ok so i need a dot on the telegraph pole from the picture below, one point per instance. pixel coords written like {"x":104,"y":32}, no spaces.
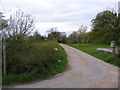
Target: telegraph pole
{"x":118,"y":13}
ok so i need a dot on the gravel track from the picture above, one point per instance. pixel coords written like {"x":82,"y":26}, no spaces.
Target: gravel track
{"x":84,"y":71}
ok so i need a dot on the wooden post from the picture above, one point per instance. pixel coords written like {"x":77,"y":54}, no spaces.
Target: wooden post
{"x":113,"y":50}
{"x":113,"y":46}
{"x":4,"y":56}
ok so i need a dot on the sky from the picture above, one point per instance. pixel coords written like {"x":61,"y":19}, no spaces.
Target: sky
{"x":66,"y":15}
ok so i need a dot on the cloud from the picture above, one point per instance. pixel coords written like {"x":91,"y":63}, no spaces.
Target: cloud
{"x":67,"y":15}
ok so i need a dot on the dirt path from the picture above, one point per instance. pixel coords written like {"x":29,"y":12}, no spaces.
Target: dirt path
{"x":85,"y":72}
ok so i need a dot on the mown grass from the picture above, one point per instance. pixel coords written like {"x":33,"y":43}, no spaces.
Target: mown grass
{"x":58,"y":66}
{"x":105,"y":56}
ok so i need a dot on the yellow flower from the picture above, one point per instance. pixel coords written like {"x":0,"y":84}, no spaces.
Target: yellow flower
{"x":59,"y":61}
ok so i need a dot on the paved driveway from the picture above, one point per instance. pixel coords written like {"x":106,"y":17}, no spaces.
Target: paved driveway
{"x":84,"y":71}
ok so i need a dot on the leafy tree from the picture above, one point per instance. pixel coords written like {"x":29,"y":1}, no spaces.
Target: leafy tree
{"x":53,"y":34}
{"x":36,"y":37}
{"x":62,"y":38}
{"x":105,"y":28}
{"x":103,"y":19}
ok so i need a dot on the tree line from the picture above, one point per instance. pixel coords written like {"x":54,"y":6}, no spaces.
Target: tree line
{"x":105,"y":28}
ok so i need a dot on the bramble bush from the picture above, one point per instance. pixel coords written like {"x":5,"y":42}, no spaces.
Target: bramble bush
{"x":28,"y":61}
{"x":29,"y":58}
{"x":24,"y":57}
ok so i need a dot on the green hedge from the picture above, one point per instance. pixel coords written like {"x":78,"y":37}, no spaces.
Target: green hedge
{"x":32,"y":61}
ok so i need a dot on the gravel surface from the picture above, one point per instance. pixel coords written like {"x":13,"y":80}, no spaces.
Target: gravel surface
{"x":84,"y":71}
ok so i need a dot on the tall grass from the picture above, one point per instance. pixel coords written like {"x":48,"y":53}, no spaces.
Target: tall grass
{"x":105,"y":56}
{"x":37,"y":61}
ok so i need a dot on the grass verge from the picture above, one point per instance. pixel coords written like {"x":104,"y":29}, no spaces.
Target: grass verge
{"x":105,"y":56}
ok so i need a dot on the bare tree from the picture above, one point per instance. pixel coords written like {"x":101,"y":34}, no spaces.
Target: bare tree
{"x":52,"y":30}
{"x":82,"y":34}
{"x":20,"y":23}
{"x":82,"y":29}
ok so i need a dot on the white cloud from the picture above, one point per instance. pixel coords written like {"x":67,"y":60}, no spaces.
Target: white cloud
{"x":67,"y":15}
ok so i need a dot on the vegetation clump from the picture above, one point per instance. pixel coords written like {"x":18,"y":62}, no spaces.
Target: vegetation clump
{"x":39,"y":60}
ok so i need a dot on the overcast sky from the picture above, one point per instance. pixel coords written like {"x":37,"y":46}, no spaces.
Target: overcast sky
{"x":66,"y":15}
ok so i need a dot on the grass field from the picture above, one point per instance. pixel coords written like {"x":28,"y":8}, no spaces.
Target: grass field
{"x":45,"y":51}
{"x":105,"y":56}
